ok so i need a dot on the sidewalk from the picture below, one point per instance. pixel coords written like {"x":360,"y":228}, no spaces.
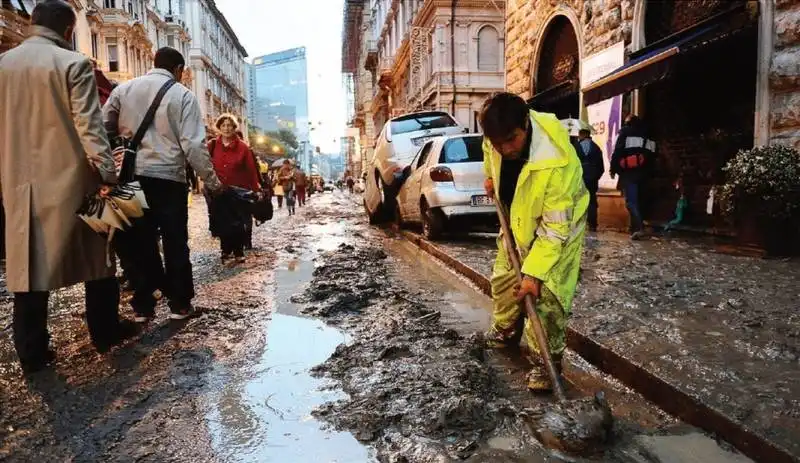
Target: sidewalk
{"x":721,"y":333}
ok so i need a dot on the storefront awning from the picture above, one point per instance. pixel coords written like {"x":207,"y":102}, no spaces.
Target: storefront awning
{"x":554,"y":93}
{"x":655,"y":62}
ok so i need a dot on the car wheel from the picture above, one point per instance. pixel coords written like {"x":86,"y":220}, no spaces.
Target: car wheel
{"x":433,"y":222}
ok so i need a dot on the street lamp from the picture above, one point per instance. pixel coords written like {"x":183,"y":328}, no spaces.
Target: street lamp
{"x":276,"y":149}
{"x":261,"y":140}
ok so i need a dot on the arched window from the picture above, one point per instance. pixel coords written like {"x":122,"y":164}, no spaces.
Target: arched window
{"x":488,"y":49}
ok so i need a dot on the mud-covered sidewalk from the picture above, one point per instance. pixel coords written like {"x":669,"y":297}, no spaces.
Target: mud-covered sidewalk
{"x":722,"y":329}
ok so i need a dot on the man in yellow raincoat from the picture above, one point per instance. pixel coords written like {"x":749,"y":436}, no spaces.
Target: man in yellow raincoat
{"x":532,"y":168}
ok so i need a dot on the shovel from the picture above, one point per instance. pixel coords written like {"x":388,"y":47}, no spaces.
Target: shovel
{"x":530,"y":305}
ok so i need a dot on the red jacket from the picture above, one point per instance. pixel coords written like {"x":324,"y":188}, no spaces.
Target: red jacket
{"x":104,"y":86}
{"x":234,"y":164}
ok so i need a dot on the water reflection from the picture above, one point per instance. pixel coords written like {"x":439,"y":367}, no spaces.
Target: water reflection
{"x":264,"y":414}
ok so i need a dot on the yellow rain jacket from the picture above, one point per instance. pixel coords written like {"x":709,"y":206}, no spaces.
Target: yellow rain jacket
{"x":548,"y":213}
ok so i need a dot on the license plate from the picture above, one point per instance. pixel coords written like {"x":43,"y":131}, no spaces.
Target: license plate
{"x":482,"y":200}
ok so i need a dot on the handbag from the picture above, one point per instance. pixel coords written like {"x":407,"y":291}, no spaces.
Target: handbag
{"x":130,"y":146}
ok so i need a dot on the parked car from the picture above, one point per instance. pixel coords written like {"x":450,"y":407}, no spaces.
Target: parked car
{"x":443,"y":187}
{"x":395,"y":147}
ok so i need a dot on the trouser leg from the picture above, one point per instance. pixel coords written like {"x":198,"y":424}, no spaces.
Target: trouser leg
{"x":102,"y":310}
{"x":592,"y":211}
{"x":31,"y":338}
{"x":631,"y":190}
{"x":248,"y":232}
{"x":172,"y":216}
{"x":554,"y":322}
{"x":506,"y":311}
{"x":139,"y":247}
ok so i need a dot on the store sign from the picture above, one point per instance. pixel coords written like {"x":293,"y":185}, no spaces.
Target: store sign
{"x":605,"y":117}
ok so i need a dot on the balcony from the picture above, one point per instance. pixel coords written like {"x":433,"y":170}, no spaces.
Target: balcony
{"x":371,"y":55}
{"x":385,"y":69}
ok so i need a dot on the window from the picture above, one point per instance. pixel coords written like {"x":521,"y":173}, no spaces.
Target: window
{"x":488,"y":49}
{"x":423,"y":155}
{"x":421,"y":121}
{"x":171,"y":41}
{"x":109,"y":4}
{"x":463,"y":149}
{"x":113,"y":56}
{"x":94,"y":45}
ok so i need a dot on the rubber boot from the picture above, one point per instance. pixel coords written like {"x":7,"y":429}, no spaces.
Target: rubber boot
{"x":538,"y":380}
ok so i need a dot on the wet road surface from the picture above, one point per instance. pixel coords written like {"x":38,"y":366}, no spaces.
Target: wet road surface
{"x":334,"y":342}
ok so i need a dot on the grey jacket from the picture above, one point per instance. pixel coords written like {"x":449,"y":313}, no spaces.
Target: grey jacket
{"x":176,"y":136}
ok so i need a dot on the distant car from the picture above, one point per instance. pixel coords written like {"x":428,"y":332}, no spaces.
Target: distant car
{"x":443,"y":187}
{"x":328,"y":187}
{"x":396,"y":146}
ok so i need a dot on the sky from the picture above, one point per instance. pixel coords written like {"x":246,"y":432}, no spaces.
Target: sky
{"x":267,"y":26}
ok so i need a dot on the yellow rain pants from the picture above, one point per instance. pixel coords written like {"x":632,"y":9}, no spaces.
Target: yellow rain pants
{"x":506,"y":311}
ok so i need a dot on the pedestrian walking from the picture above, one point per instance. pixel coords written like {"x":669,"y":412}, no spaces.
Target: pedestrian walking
{"x":54,"y":152}
{"x":236,"y":166}
{"x":286,"y":177}
{"x":300,"y":183}
{"x":175,"y":137}
{"x":591,"y":157}
{"x":277,"y":189}
{"x":531,"y":167}
{"x":634,"y":154}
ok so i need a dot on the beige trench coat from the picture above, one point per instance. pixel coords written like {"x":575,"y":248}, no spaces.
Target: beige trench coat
{"x":53,"y":151}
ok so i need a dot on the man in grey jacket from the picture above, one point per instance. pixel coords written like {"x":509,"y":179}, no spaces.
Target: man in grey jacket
{"x":177,"y":136}
{"x":53,"y":152}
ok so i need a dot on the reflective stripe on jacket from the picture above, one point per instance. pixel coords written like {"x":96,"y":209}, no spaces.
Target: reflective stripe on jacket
{"x":548,"y":214}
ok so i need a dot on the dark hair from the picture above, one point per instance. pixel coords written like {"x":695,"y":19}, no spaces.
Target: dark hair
{"x":502,"y":113}
{"x":168,"y":59}
{"x":56,"y":15}
{"x":584,"y":131}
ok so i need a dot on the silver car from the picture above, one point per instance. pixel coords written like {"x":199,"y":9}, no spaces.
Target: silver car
{"x":443,"y":187}
{"x":395,"y":147}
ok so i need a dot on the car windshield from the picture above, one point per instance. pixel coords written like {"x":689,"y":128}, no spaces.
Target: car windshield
{"x":462,"y":149}
{"x":421,"y":121}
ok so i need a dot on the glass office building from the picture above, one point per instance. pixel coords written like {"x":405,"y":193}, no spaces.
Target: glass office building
{"x":280,"y":87}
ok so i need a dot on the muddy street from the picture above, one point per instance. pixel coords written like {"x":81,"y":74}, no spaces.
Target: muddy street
{"x":334,"y":342}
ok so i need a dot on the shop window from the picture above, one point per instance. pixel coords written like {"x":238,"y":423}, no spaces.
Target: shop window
{"x":488,"y":49}
{"x":94,"y":45}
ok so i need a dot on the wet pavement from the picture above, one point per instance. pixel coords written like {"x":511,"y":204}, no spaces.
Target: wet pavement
{"x":722,"y":329}
{"x":334,"y":342}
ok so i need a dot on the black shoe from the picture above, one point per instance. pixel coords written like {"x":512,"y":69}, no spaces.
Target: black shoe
{"x":38,"y":364}
{"x":126,"y":329}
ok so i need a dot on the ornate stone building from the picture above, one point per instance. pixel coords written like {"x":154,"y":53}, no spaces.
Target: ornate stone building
{"x":410,"y":55}
{"x":709,"y":77}
{"x":216,"y":62}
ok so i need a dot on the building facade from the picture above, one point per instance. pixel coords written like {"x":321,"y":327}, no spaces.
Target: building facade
{"x":709,"y":77}
{"x":411,"y":55}
{"x":279,"y":97}
{"x":216,"y":66}
{"x":121,"y":35}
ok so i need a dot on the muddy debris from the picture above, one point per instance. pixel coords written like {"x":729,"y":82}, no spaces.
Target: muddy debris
{"x":418,"y":391}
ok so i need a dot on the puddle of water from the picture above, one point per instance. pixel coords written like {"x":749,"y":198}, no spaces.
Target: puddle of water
{"x":266,"y":416}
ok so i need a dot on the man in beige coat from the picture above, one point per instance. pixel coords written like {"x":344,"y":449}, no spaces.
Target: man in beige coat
{"x":53,"y":151}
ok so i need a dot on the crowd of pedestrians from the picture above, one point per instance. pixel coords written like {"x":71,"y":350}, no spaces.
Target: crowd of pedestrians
{"x":62,"y":124}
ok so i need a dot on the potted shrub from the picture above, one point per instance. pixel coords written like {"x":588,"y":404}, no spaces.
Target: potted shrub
{"x":761,"y":195}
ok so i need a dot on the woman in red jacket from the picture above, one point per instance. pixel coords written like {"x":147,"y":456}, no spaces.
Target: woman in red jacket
{"x":235,"y":166}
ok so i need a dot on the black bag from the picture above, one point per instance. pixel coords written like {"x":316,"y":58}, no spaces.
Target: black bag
{"x":131,"y":146}
{"x":262,"y":209}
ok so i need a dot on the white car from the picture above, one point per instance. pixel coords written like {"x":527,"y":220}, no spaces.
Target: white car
{"x":395,"y":147}
{"x":443,"y":187}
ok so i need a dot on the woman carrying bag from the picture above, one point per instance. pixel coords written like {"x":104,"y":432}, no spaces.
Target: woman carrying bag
{"x":235,"y":167}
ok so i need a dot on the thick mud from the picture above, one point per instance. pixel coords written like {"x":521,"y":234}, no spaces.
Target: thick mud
{"x":419,"y":391}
